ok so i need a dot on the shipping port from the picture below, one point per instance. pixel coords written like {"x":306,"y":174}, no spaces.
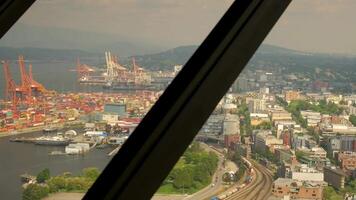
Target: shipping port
{"x":28,"y":106}
{"x":117,"y":77}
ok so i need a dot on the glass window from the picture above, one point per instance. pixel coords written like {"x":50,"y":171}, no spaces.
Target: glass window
{"x":78,"y":81}
{"x":77,"y":78}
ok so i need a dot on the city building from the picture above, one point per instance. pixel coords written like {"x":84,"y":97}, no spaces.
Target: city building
{"x":291,"y":96}
{"x":287,"y":166}
{"x":285,"y":187}
{"x":119,"y":109}
{"x":231,"y":140}
{"x":283,"y":154}
{"x":314,"y":152}
{"x":110,"y":117}
{"x":286,"y":137}
{"x":334,"y":99}
{"x":264,"y":139}
{"x":320,"y":86}
{"x":334,"y":177}
{"x":231,"y":130}
{"x":302,"y":141}
{"x":258,"y":118}
{"x":280,"y":115}
{"x":304,"y":173}
{"x":312,"y":118}
{"x":318,"y":163}
{"x":347,"y":161}
{"x":231,"y":124}
{"x":214,"y":124}
{"x":283,"y":126}
{"x":335,"y":143}
{"x":256,"y":105}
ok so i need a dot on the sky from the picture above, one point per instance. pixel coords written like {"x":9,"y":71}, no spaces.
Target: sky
{"x":307,"y":25}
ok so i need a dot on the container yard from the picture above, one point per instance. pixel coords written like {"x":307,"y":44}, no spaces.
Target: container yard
{"x":28,"y":106}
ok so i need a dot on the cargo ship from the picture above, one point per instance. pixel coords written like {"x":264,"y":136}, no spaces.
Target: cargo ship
{"x":52,"y":141}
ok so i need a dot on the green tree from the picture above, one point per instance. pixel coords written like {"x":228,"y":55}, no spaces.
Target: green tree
{"x":43,"y":176}
{"x":236,"y":157}
{"x":245,"y":122}
{"x":78,"y":184}
{"x":195,"y":147}
{"x":57,"y":184}
{"x":330,"y":194}
{"x":281,"y":102}
{"x":201,"y":175}
{"x":352,"y":119}
{"x":91,"y":173}
{"x":183,"y":179}
{"x":264,"y":125}
{"x":35,"y":192}
{"x":193,"y":171}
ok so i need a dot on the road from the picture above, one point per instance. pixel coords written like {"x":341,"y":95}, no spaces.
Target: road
{"x":205,"y":193}
{"x":259,"y":188}
{"x":216,"y":185}
{"x":210,"y":190}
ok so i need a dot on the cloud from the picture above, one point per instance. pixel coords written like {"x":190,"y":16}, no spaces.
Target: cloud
{"x":172,"y":22}
{"x":307,"y":24}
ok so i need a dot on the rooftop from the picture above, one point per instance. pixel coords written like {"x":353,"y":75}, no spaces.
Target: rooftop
{"x":335,"y":170}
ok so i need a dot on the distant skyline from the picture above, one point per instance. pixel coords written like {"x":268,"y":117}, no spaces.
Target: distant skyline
{"x":307,"y":25}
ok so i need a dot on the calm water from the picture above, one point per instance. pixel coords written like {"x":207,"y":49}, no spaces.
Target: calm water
{"x":20,"y":158}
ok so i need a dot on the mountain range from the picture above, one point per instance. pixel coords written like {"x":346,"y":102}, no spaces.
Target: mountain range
{"x":22,"y":35}
{"x":268,"y":55}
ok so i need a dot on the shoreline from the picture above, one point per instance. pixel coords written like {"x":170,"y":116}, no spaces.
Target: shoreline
{"x":36,"y":129}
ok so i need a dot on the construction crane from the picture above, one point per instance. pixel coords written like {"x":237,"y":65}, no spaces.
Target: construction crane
{"x":10,"y":86}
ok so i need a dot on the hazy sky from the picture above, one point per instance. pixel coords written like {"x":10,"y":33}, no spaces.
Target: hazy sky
{"x":311,"y":25}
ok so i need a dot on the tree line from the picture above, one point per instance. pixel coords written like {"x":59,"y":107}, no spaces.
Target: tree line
{"x":193,"y":172}
{"x":66,"y":182}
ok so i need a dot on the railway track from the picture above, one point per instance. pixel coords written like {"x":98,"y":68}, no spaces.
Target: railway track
{"x":258,"y":189}
{"x":265,"y":191}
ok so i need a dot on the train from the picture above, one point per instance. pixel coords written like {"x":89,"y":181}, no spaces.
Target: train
{"x":229,"y":193}
{"x":246,"y":162}
{"x":233,"y":190}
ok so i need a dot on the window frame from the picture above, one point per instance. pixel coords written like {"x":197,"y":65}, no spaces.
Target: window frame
{"x":10,"y":12}
{"x":149,"y":154}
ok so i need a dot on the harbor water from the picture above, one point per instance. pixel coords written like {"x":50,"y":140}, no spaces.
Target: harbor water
{"x":20,"y":158}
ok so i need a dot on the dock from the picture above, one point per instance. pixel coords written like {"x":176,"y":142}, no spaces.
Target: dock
{"x":113,"y":152}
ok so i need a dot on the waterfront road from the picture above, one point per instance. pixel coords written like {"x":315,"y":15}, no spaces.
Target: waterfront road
{"x":260,"y":186}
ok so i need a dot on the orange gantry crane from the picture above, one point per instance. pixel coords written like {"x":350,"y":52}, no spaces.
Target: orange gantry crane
{"x":30,"y":88}
{"x":28,"y":91}
{"x":10,"y":86}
